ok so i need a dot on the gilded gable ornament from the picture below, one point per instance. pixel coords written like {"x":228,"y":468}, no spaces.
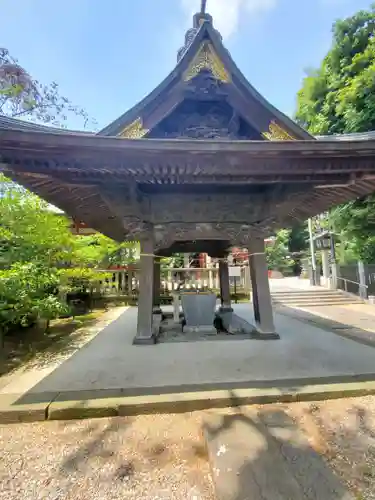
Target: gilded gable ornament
{"x":277,"y":133}
{"x":134,"y":131}
{"x":206,"y":58}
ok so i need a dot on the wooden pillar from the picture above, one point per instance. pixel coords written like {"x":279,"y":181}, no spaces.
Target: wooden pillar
{"x":210,"y":279}
{"x":129,"y":283}
{"x":261,"y":290}
{"x":224,"y":286}
{"x":146,"y":293}
{"x":217,"y":284}
{"x":157,"y":284}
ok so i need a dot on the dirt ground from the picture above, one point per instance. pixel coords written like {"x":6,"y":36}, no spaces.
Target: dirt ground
{"x":160,"y":457}
{"x":343,"y":431}
{"x":147,"y":457}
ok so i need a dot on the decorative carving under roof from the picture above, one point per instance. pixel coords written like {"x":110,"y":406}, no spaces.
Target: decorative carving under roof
{"x":134,"y":131}
{"x":205,"y":86}
{"x":277,"y":133}
{"x":206,"y":58}
{"x":204,"y":119}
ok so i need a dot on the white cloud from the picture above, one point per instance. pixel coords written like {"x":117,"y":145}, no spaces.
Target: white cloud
{"x":227,"y":13}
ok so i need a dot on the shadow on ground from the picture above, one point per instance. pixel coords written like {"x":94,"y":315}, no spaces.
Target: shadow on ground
{"x":35,"y":348}
{"x":263,"y":453}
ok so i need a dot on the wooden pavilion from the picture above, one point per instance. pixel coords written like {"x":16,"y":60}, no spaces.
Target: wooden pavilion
{"x":202,"y":164}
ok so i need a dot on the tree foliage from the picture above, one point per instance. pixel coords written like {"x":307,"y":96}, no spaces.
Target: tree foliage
{"x":285,"y":252}
{"x":298,"y":239}
{"x":100,"y":251}
{"x":21,"y":96}
{"x":339,"y":97}
{"x":30,"y":231}
{"x":278,"y":254}
{"x":40,"y":260}
{"x":355,"y":223}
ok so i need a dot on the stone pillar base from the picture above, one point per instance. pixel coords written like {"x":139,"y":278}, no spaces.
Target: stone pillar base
{"x":257,"y":335}
{"x":224,"y":309}
{"x":204,"y":329}
{"x":144,"y":340}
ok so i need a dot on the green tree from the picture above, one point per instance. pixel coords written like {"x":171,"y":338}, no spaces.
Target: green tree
{"x":355,"y":223}
{"x":21,"y":96}
{"x":278,"y":255}
{"x":98,"y":250}
{"x":33,"y":242}
{"x":29,"y":230}
{"x":298,"y":240}
{"x":339,"y":97}
{"x":40,"y":259}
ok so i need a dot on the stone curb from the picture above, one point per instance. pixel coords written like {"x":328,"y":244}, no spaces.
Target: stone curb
{"x":11,"y":412}
{"x":177,"y":403}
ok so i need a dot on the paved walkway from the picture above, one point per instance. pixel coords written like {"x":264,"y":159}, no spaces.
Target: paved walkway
{"x":110,"y":362}
{"x":353,"y":320}
{"x":254,"y":454}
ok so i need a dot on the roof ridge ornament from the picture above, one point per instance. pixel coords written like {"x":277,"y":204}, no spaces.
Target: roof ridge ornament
{"x":199,"y":19}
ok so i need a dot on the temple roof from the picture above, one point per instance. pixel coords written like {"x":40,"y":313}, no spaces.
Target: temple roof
{"x":355,"y":136}
{"x":17,"y":124}
{"x":252,"y":169}
{"x":7,"y":123}
{"x":83,"y":174}
{"x":204,"y":50}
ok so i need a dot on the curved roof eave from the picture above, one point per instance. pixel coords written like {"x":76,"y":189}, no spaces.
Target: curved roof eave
{"x":355,"y":136}
{"x":8,"y":123}
{"x":16,"y":124}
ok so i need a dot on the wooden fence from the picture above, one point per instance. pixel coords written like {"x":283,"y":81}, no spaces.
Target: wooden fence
{"x":126,"y":282}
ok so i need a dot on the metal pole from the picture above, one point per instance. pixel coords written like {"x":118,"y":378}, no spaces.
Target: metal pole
{"x":312,"y":252}
{"x":334,"y":266}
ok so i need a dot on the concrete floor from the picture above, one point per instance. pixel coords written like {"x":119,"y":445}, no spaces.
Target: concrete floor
{"x":111,"y":361}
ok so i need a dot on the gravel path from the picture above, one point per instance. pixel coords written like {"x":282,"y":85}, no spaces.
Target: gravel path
{"x":163,"y":457}
{"x":343,"y":431}
{"x":147,"y":457}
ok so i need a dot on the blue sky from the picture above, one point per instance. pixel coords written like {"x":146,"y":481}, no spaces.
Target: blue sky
{"x":107,"y":55}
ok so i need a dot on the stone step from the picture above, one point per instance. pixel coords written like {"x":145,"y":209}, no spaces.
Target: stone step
{"x":304,"y":293}
{"x":258,"y":455}
{"x":311,"y":304}
{"x":342,"y":298}
{"x":317,"y":296}
{"x":312,"y":298}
